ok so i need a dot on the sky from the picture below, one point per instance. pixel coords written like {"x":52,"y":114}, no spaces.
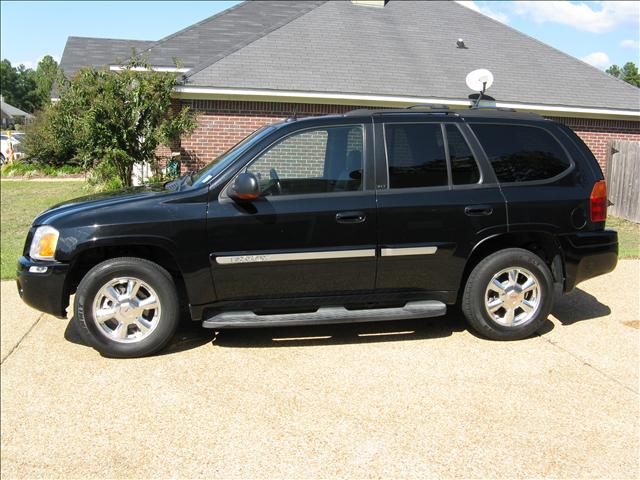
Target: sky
{"x":600,"y":33}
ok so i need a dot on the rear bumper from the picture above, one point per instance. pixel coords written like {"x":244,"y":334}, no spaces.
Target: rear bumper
{"x":589,"y":254}
{"x":44,"y":291}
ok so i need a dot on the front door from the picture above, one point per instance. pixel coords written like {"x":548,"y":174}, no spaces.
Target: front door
{"x":313,"y":230}
{"x":437,"y":200}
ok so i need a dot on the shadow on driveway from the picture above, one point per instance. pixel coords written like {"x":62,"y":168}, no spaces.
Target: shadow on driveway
{"x":189,"y":335}
{"x":576,"y":307}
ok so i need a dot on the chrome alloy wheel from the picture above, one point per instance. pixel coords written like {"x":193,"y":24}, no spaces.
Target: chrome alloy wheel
{"x":126,"y":310}
{"x":512,"y":297}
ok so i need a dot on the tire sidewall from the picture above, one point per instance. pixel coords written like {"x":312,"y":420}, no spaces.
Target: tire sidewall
{"x":483,"y":274}
{"x":156,"y":277}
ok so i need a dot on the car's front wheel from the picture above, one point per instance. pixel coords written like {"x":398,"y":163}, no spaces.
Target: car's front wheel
{"x":127,"y":307}
{"x":508,"y":295}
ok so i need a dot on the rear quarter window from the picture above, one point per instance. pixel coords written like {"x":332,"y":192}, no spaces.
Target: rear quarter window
{"x":521,"y":153}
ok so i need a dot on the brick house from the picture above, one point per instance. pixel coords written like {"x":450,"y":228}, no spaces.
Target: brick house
{"x":260,"y":62}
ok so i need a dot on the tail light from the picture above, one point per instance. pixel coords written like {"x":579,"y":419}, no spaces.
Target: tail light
{"x":599,"y":202}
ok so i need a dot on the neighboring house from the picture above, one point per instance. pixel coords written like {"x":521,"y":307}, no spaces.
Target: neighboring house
{"x":259,"y":62}
{"x":10,"y":115}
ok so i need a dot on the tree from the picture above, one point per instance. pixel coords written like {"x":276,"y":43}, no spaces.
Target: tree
{"x":8,"y":79}
{"x":628,"y":73}
{"x":46,"y":73}
{"x":26,"y":88}
{"x":113,"y":118}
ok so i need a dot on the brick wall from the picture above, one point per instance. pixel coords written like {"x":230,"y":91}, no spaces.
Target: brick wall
{"x":301,"y":156}
{"x":596,"y":133}
{"x":224,"y":123}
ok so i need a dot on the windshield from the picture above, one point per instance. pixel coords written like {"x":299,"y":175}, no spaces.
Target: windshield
{"x":223,"y":161}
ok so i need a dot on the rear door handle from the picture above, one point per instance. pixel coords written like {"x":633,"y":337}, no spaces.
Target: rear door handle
{"x":478,"y":210}
{"x":350,"y":217}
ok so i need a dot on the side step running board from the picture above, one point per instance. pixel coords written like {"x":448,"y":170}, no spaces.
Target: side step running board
{"x":327,"y":315}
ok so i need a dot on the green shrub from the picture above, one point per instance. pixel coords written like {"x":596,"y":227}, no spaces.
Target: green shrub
{"x":104,"y":177}
{"x":29,"y":169}
{"x":106,"y":117}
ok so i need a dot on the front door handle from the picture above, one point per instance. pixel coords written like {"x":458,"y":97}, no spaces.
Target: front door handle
{"x":350,"y":217}
{"x":478,"y":210}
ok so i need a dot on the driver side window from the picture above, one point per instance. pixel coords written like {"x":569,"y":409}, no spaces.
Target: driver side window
{"x":312,"y":161}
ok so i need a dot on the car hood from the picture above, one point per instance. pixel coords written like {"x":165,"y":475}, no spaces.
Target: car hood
{"x":99,"y":200}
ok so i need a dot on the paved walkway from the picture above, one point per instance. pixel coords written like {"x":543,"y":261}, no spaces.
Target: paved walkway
{"x":399,"y":399}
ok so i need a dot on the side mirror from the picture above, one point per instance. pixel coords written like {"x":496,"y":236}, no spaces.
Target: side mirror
{"x":245,"y":187}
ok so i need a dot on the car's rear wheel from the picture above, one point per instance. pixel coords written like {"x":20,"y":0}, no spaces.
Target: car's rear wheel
{"x":508,"y":295}
{"x":127,"y":307}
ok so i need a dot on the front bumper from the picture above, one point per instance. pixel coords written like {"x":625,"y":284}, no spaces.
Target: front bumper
{"x":589,"y":254}
{"x":44,"y":291}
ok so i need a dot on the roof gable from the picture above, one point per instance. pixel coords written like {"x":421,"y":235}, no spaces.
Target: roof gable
{"x":408,"y":48}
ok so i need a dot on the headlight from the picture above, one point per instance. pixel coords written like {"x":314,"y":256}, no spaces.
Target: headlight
{"x":44,"y":243}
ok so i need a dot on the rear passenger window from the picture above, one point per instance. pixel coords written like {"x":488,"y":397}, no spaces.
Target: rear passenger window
{"x":521,"y":154}
{"x":464,"y":169}
{"x":415,"y":155}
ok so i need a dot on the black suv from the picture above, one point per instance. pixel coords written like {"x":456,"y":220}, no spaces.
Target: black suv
{"x":371,"y":215}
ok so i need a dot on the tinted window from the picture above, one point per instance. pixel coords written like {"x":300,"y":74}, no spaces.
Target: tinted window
{"x":521,"y":154}
{"x":312,"y":161}
{"x":415,"y":153}
{"x":464,"y":168}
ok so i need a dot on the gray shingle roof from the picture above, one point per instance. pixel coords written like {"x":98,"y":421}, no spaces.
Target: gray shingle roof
{"x":217,"y":36}
{"x":12,"y":111}
{"x":408,"y":48}
{"x":97,"y":52}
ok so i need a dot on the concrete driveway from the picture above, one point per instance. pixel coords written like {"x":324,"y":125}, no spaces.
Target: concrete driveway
{"x":399,"y":399}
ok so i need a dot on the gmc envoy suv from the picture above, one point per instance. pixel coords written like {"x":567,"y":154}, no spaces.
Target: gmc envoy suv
{"x":367,"y":216}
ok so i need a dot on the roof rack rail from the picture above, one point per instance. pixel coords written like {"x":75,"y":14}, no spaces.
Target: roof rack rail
{"x":358,"y":111}
{"x":429,"y":106}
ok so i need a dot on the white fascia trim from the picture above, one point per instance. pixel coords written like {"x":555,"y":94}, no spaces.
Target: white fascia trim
{"x":119,"y":68}
{"x":186,"y":91}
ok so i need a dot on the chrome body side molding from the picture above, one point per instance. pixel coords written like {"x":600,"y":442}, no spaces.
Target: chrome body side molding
{"x":397,"y":252}
{"x":288,"y":257}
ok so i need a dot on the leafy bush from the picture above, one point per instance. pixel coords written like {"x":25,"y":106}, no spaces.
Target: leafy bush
{"x":52,"y":138}
{"x":115,"y":118}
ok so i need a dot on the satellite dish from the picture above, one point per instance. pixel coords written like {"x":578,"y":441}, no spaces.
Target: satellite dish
{"x":479,"y":80}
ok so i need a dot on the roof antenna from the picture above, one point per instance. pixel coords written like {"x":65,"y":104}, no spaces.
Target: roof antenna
{"x":479,"y":80}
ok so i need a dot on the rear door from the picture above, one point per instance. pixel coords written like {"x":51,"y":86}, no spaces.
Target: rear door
{"x":437,"y":199}
{"x":313,"y":230}
{"x":534,"y":168}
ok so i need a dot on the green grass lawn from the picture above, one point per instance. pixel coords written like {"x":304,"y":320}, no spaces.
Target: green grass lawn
{"x":628,"y":237}
{"x":21,"y":201}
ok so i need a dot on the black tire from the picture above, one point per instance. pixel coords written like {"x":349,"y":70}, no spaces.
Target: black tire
{"x":152,"y":274}
{"x":473,"y":300}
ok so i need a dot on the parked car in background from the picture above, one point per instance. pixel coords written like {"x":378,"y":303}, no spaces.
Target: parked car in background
{"x":371,"y":215}
{"x":16,"y":138}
